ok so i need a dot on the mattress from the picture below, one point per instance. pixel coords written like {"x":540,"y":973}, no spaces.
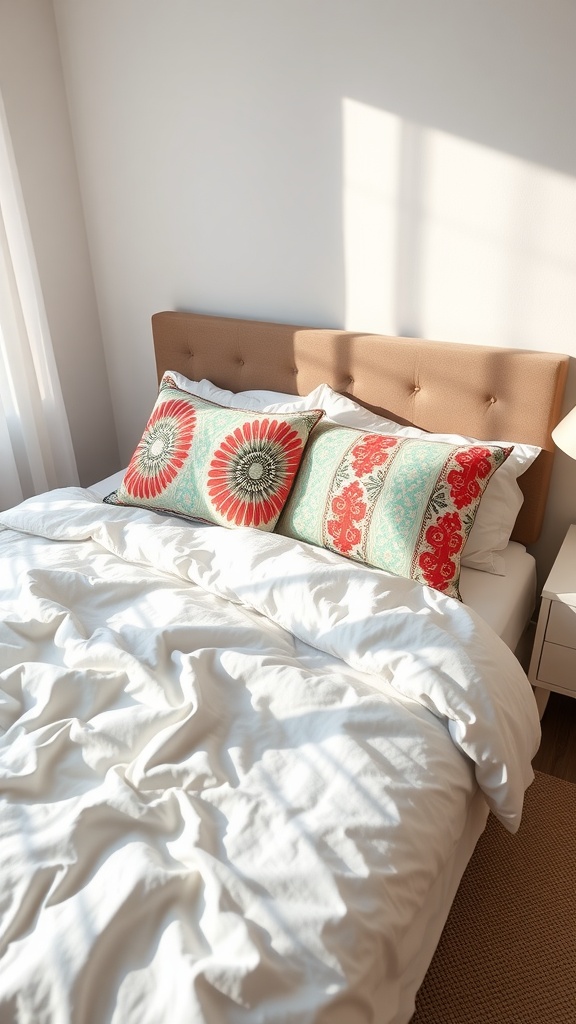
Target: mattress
{"x":505,"y":602}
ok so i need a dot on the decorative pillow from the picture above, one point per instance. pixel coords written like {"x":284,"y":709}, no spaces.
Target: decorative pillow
{"x":203,"y":461}
{"x":500,"y":504}
{"x":402,"y":504}
{"x":502,"y":500}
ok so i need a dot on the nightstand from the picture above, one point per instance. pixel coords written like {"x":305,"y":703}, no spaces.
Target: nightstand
{"x":553,"y":662}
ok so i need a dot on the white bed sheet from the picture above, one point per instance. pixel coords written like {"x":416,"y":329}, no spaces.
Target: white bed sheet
{"x":424,"y":933}
{"x":457,"y":691}
{"x":103,"y":487}
{"x":505,"y":602}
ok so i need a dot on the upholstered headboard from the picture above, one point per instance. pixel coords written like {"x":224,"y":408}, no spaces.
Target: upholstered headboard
{"x":485,"y":392}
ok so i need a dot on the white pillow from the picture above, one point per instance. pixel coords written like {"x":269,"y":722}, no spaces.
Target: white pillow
{"x":502,"y":498}
{"x":256,"y":401}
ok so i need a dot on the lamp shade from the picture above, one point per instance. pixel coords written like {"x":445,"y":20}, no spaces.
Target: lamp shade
{"x":564,"y":435}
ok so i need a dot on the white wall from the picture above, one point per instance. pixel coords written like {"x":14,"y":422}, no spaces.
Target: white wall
{"x":32,"y":87}
{"x":387,"y":165}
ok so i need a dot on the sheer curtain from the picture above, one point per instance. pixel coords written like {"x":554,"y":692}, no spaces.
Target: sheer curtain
{"x":36,"y":451}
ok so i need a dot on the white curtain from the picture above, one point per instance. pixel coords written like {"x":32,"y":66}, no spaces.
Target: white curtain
{"x":36,"y":451}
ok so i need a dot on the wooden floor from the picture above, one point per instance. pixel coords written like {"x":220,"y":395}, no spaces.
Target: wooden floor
{"x":557,"y":754}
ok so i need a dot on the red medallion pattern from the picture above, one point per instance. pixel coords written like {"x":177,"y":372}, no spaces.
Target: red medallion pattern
{"x":162,"y":450}
{"x":348,"y":509}
{"x":252,"y":471}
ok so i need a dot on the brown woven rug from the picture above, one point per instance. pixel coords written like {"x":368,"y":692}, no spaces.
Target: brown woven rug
{"x":508,"y":951}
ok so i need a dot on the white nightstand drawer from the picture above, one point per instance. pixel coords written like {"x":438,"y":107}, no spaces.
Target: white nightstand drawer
{"x":561,"y":628}
{"x":553,"y":661}
{"x":558,"y":666}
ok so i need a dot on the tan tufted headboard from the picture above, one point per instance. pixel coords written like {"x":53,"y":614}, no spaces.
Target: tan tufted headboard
{"x":486,"y":392}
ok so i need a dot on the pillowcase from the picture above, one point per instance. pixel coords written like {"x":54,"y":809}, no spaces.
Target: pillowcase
{"x":502,"y":499}
{"x":402,"y":504}
{"x":258,"y":400}
{"x":203,"y":461}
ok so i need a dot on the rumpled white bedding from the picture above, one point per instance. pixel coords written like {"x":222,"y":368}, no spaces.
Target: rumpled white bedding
{"x":231,"y":768}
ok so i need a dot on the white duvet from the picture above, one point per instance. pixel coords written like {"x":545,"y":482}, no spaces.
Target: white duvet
{"x":231,"y":768}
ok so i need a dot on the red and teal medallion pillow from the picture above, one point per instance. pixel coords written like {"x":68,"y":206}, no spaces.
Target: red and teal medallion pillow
{"x":203,"y":461}
{"x":402,"y":504}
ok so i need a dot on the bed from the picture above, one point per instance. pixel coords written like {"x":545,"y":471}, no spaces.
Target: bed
{"x":242,"y":771}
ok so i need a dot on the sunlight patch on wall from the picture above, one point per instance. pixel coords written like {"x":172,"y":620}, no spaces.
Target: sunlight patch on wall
{"x":445,"y":238}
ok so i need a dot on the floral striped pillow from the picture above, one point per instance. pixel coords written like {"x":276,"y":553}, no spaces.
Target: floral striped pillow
{"x":402,"y":504}
{"x":203,"y":461}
